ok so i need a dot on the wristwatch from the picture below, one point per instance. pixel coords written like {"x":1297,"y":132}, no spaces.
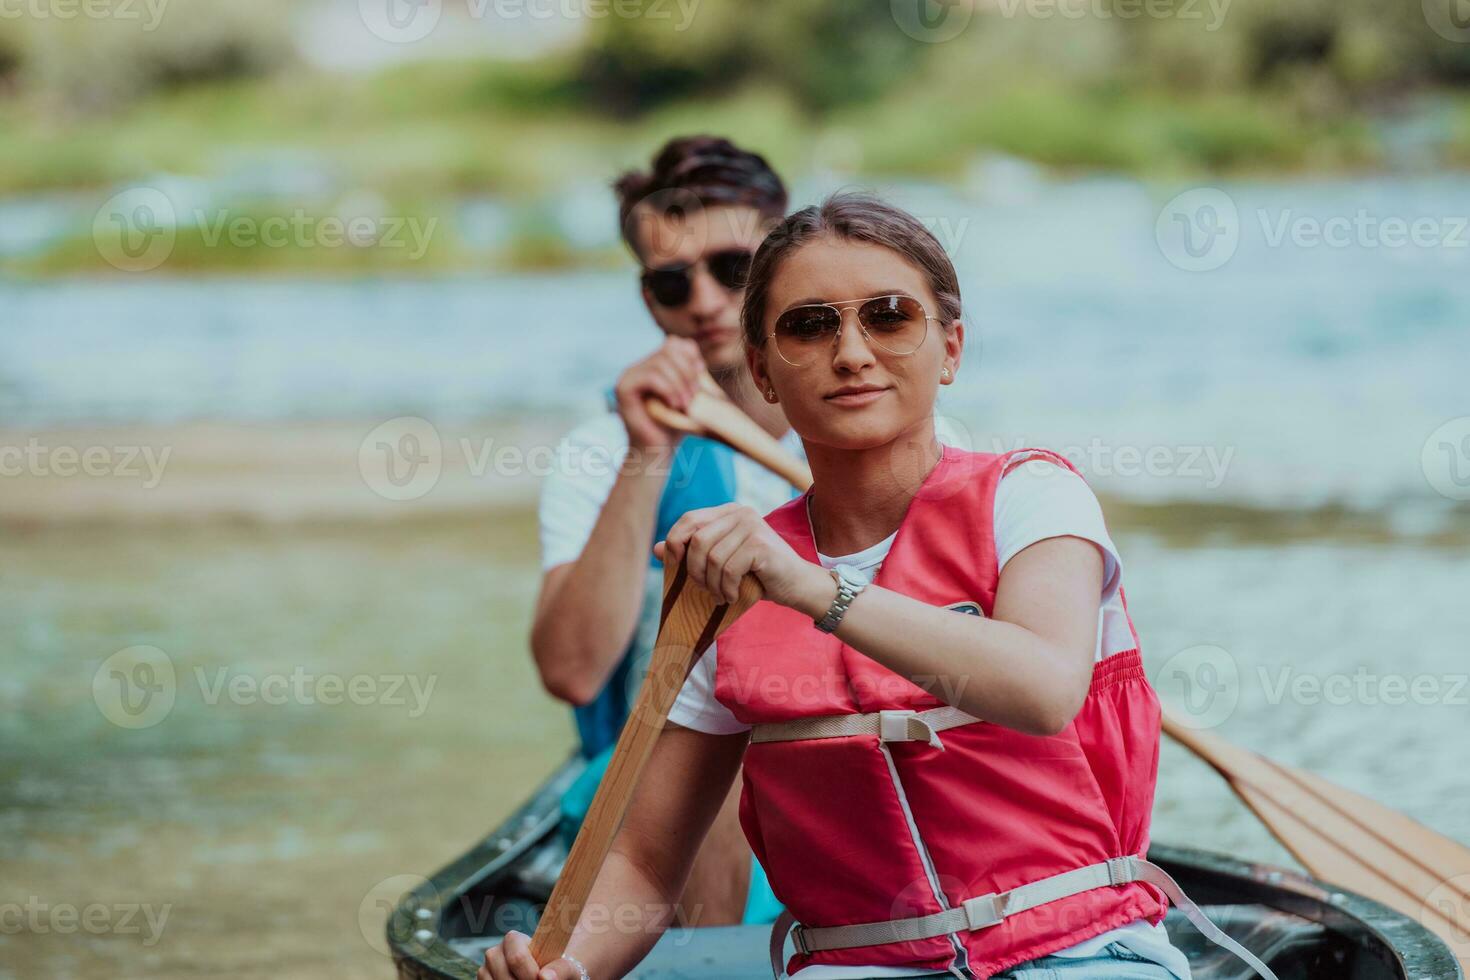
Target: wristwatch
{"x":851,"y":580}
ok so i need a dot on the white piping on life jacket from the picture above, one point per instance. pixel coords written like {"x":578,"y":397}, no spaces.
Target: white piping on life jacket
{"x":960,"y":965}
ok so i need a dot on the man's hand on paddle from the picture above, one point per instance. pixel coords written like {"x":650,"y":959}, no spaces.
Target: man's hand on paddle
{"x":670,"y":373}
{"x":512,"y":960}
{"x":724,"y":544}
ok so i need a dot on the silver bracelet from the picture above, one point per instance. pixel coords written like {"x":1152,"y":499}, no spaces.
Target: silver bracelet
{"x":581,"y":970}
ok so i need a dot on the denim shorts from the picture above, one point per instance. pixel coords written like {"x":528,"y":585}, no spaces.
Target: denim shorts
{"x":1113,"y":962}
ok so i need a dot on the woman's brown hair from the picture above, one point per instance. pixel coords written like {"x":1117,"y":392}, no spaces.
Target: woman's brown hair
{"x":856,"y":218}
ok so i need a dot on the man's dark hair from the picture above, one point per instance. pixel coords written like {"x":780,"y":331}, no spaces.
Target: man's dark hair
{"x":708,"y":169}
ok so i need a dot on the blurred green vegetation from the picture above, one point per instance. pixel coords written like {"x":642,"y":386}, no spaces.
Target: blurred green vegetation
{"x":1248,"y":85}
{"x":220,"y":91}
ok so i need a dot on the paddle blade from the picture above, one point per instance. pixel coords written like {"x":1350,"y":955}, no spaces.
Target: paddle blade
{"x":690,"y":621}
{"x":1348,"y":839}
{"x":714,"y":416}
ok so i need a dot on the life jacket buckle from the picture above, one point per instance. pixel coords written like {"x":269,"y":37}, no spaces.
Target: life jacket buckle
{"x":984,"y":911}
{"x":906,"y":725}
{"x":1122,"y":870}
{"x":893,"y":725}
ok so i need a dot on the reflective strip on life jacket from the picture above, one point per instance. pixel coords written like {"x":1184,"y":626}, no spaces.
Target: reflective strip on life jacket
{"x":985,"y":911}
{"x":900,"y":725}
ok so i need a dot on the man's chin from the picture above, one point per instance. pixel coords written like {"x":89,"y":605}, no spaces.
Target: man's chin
{"x":725,"y":356}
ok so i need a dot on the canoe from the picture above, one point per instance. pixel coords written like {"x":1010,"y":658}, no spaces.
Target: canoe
{"x":1303,"y":928}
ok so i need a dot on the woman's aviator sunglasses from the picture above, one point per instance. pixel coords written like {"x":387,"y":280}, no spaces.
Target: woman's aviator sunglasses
{"x":673,"y":286}
{"x":897,"y":324}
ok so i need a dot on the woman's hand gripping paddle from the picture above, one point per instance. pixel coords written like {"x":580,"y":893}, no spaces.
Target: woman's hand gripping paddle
{"x":691,"y":619}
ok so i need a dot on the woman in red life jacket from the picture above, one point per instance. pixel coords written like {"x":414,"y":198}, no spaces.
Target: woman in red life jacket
{"x":949,"y":745}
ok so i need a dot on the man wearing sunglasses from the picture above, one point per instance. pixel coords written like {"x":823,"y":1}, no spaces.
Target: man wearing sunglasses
{"x":692,"y":222}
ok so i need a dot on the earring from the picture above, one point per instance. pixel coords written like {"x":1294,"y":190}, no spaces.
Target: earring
{"x":944,"y":372}
{"x":771,"y":395}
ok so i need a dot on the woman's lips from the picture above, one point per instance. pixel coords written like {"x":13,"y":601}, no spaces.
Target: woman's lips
{"x":857,"y":399}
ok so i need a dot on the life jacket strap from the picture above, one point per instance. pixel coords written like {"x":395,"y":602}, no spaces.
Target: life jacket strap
{"x":984,"y":911}
{"x":889,"y":726}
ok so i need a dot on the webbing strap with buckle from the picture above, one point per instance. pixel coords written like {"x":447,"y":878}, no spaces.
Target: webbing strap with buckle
{"x":890,"y":726}
{"x":984,"y":911}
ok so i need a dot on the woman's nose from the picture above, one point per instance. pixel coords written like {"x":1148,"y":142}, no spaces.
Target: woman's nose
{"x":851,"y":350}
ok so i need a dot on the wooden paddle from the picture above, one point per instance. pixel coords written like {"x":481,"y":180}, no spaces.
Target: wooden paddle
{"x":712,"y":415}
{"x":691,"y":619}
{"x":1349,"y":839}
{"x":1338,"y":835}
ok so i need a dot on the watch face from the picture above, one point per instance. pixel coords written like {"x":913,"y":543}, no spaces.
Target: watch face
{"x":851,"y":573}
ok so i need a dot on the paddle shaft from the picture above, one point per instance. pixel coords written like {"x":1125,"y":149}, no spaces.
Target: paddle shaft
{"x":691,"y":619}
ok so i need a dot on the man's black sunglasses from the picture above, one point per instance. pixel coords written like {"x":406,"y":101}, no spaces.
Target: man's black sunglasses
{"x":672,"y":286}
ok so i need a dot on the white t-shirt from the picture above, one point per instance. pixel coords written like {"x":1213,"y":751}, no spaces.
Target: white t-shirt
{"x":1034,"y":501}
{"x":586,"y":468}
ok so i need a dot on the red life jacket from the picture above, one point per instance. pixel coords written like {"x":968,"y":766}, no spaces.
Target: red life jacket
{"x":863,"y":812}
